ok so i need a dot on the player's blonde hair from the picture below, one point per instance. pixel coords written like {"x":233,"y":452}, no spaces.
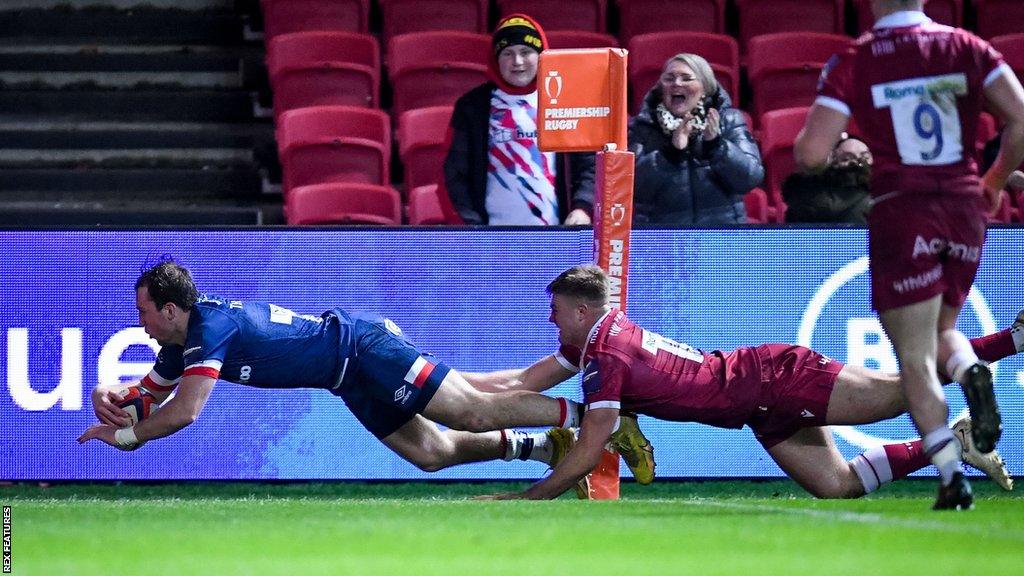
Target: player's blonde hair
{"x":587,"y":282}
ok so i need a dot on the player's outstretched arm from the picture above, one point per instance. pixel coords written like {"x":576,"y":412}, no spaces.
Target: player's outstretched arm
{"x":177,"y":413}
{"x":542,"y":375}
{"x":595,"y":431}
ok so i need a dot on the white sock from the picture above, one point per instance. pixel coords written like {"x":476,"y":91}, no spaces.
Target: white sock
{"x":962,"y":358}
{"x":526,"y":446}
{"x":872,"y":467}
{"x":944,"y":452}
{"x":570,"y":416}
{"x":1017,"y":332}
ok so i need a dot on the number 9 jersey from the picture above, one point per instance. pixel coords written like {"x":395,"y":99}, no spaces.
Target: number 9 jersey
{"x":915,"y":89}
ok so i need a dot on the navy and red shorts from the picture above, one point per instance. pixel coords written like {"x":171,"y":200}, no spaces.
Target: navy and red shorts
{"x":388,"y":381}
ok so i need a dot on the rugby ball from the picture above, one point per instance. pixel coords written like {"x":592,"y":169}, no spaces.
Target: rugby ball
{"x":138,"y":403}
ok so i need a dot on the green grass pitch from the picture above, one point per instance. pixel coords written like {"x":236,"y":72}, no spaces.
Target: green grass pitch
{"x":703,"y":528}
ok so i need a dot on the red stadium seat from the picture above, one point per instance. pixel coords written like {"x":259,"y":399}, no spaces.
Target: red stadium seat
{"x":1012,"y":48}
{"x":1006,"y":212}
{"x":334,"y":144}
{"x":784,"y":68}
{"x":649,"y":52}
{"x":422,"y":144}
{"x":580,"y":39}
{"x":589,"y":15}
{"x":407,"y":16}
{"x":645,"y":16}
{"x":1018,"y":202}
{"x":343,"y":203}
{"x":949,"y":12}
{"x":771,"y":16}
{"x":756,"y":203}
{"x":424,"y":207}
{"x":286,"y":16}
{"x":324,"y":69}
{"x":998,"y":17}
{"x":779,"y":129}
{"x":423,"y":75}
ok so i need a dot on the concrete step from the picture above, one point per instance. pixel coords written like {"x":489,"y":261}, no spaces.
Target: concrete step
{"x":124,"y":105}
{"x":43,"y":213}
{"x":99,"y":135}
{"x":233,"y":182}
{"x":201,"y":158}
{"x":143,"y":24}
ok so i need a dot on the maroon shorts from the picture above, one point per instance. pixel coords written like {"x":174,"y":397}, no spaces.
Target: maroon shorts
{"x":798,"y":383}
{"x":921,"y":246}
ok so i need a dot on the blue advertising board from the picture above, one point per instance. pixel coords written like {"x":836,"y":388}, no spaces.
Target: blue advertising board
{"x":474,"y":298}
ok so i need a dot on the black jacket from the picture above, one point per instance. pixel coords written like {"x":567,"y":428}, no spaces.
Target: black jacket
{"x":465,"y":166}
{"x":701,"y":185}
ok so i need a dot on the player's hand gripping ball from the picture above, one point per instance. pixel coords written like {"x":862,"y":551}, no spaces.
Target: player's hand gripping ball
{"x":138,"y":403}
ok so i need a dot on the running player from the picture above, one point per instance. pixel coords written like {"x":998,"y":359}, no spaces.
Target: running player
{"x":915,"y":89}
{"x":389,"y":386}
{"x":787,"y":394}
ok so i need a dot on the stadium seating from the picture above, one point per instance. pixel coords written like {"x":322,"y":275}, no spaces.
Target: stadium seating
{"x":949,"y":12}
{"x":1018,"y":202}
{"x":324,"y":69}
{"x":645,"y":16}
{"x":779,"y":129}
{"x":423,"y":75}
{"x":334,"y":144}
{"x":580,"y":39}
{"x":784,"y":68}
{"x":771,"y":16}
{"x":648,"y":53}
{"x":422,"y":143}
{"x":407,"y":16}
{"x":343,"y":203}
{"x":998,"y":17}
{"x":286,"y":16}
{"x":986,"y":131}
{"x":424,"y":206}
{"x":589,"y":15}
{"x":1006,"y":212}
{"x":1012,"y":48}
{"x":756,"y":203}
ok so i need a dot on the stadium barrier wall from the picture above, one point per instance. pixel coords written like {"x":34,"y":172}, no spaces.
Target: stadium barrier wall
{"x":475,"y":298}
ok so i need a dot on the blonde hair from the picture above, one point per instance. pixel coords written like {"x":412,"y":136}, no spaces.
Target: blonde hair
{"x":701,"y":69}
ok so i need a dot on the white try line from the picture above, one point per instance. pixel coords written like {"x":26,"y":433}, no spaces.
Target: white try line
{"x":869,"y":518}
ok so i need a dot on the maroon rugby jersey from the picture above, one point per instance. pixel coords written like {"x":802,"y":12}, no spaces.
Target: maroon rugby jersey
{"x":914,"y":89}
{"x":627,"y":367}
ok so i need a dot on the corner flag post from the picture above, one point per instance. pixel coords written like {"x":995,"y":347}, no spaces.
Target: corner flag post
{"x":582,"y":108}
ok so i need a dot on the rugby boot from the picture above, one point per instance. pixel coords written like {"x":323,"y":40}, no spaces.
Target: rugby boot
{"x":956,"y":496}
{"x":991,"y":463}
{"x":562,"y":440}
{"x":635,"y":448}
{"x":986,"y":424}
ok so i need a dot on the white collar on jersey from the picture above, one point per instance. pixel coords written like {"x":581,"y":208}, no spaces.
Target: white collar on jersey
{"x":902,"y":19}
{"x":591,"y":335}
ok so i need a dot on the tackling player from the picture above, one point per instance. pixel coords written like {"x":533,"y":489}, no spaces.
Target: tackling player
{"x":915,"y":89}
{"x":391,"y":388}
{"x":787,"y":394}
